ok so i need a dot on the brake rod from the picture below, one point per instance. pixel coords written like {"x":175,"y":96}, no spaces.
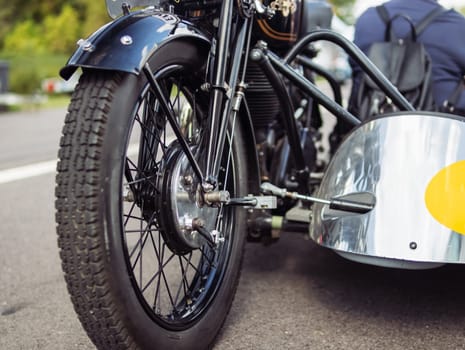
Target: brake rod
{"x":334,"y":203}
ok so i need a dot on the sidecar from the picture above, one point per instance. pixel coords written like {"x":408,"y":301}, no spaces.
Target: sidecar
{"x":413,"y":165}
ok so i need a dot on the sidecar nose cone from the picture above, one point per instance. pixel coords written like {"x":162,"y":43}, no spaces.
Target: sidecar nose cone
{"x":395,"y":158}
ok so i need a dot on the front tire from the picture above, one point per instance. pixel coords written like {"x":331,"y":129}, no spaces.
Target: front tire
{"x":139,"y":276}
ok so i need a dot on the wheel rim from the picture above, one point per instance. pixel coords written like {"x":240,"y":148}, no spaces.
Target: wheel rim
{"x":175,"y":275}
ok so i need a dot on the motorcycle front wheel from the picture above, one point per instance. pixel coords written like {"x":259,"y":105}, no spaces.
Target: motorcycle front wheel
{"x":139,"y":273}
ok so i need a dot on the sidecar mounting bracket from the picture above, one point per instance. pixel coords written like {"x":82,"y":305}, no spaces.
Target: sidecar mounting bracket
{"x":215,"y":198}
{"x":255,"y":202}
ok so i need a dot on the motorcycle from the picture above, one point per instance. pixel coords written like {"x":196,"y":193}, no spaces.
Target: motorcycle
{"x":193,"y":130}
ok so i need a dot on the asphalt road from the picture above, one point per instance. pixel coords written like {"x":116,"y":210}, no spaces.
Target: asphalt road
{"x":292,"y":295}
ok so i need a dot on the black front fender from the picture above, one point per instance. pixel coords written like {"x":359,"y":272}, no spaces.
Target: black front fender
{"x":126,"y":43}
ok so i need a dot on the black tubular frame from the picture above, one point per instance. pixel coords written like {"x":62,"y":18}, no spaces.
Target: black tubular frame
{"x":272,"y":65}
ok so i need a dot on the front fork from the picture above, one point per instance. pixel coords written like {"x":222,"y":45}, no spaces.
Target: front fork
{"x":222,"y":78}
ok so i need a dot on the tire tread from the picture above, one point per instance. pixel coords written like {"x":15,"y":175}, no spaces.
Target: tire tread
{"x":82,"y":249}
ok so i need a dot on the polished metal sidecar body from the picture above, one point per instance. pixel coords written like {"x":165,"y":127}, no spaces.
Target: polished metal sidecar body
{"x":414,"y":165}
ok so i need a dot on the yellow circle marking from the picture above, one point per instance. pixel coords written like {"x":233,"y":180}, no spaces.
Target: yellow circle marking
{"x":445,"y":196}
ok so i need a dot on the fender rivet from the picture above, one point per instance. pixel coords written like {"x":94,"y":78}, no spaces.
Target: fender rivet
{"x":126,"y":40}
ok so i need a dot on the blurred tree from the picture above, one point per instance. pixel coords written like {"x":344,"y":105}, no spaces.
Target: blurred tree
{"x":23,"y":17}
{"x":61,"y":31}
{"x":55,"y":33}
{"x":25,"y":37}
{"x":95,"y":15}
{"x":343,"y":9}
{"x":7,"y":18}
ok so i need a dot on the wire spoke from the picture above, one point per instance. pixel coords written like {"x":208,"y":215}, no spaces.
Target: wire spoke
{"x":159,"y":272}
{"x":183,"y":284}
{"x":144,"y":233}
{"x":188,"y":261}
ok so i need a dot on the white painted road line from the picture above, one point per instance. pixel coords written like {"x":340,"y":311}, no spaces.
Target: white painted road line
{"x":41,"y":168}
{"x":24,"y":172}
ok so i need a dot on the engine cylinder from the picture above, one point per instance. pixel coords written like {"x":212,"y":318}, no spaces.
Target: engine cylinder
{"x":261,"y":98}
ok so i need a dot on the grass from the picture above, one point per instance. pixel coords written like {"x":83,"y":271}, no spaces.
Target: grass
{"x":26,"y":71}
{"x":56,"y":101}
{"x":25,"y":75}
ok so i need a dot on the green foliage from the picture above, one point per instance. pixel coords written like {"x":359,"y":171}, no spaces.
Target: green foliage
{"x":39,"y":24}
{"x":62,"y":31}
{"x":25,"y":80}
{"x":37,"y":37}
{"x":6,"y":19}
{"x":96,"y":16}
{"x":343,"y":9}
{"x":25,"y":37}
{"x":342,"y":3}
